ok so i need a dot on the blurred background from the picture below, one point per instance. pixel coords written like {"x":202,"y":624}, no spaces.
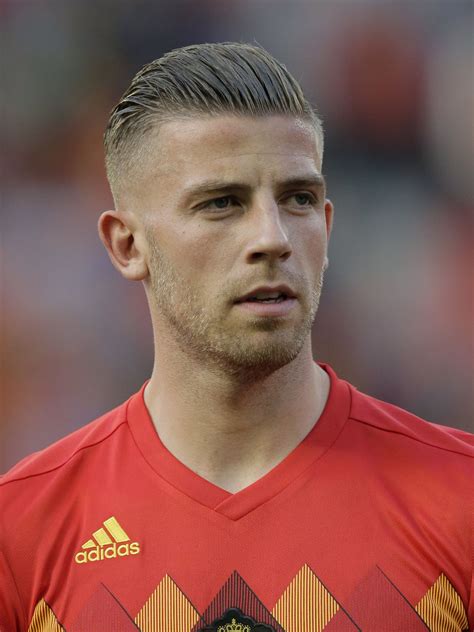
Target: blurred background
{"x":394,"y":84}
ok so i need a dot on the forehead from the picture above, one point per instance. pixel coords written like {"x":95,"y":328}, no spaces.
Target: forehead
{"x":202,"y":146}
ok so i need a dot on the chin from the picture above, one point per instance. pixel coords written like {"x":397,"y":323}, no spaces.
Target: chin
{"x":260,"y":360}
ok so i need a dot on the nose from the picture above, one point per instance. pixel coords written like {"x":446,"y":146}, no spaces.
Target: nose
{"x":269,"y":237}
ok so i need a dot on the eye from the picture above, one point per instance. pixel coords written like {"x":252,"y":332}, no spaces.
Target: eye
{"x":303,"y":198}
{"x":219,"y":204}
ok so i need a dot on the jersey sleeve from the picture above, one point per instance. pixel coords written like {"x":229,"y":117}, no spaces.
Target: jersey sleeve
{"x":12,"y":616}
{"x":471,"y":600}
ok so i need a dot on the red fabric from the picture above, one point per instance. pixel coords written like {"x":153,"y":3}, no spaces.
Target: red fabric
{"x":375,"y":501}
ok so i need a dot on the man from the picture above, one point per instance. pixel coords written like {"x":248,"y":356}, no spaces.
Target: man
{"x":244,"y":487}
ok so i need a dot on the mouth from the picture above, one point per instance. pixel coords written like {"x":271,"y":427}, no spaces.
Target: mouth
{"x":268,"y":302}
{"x":268,"y":295}
{"x":255,"y":299}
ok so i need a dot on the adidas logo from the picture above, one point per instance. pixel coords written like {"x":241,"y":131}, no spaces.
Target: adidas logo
{"x":106,"y":543}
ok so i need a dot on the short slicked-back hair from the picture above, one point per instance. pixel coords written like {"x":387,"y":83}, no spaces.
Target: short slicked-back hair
{"x":202,"y":79}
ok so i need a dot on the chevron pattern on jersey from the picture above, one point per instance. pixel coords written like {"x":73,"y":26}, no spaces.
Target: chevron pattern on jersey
{"x":306,"y":604}
{"x":104,"y":612}
{"x":167,"y":609}
{"x":236,"y":594}
{"x":377,"y":604}
{"x":44,"y":620}
{"x":341,"y":622}
{"x":442,"y":609}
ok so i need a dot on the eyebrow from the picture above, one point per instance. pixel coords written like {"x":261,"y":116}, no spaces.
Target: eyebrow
{"x":218,"y":186}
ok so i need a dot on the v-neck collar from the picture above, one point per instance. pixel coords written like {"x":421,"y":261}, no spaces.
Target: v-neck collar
{"x":234,"y":506}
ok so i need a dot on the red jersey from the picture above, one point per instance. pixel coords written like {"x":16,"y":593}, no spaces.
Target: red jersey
{"x":365,"y":525}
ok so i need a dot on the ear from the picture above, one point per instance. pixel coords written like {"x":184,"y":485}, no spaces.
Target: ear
{"x":119,"y":233}
{"x":329,"y":214}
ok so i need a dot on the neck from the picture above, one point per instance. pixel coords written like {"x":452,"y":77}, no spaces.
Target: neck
{"x":228,"y":432}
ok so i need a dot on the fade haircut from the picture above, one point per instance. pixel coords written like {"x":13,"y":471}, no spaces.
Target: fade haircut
{"x":202,"y":79}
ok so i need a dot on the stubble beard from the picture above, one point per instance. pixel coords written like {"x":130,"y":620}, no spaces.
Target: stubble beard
{"x":200,"y":334}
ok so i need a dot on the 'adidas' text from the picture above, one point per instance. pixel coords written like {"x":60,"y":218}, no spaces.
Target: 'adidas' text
{"x":107,"y":552}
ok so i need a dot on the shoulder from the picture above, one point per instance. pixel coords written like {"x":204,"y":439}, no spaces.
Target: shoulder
{"x":412,"y":430}
{"x":57,"y":456}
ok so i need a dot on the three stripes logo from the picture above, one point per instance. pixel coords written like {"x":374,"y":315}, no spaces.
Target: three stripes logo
{"x":106,"y":543}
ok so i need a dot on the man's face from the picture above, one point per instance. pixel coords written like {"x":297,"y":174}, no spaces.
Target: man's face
{"x":231,"y":204}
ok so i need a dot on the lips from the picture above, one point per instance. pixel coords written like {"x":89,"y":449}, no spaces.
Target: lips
{"x":267,"y":293}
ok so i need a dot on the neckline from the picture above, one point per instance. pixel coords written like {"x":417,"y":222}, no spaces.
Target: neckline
{"x":234,"y":506}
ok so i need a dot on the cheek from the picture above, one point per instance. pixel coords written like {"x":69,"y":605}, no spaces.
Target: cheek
{"x":311,"y":242}
{"x":199,"y":254}
{"x":205,"y":251}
